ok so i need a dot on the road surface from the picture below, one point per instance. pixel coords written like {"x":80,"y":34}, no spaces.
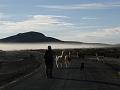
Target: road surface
{"x":95,"y":76}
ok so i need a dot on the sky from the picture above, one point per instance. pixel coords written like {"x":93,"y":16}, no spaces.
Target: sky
{"x":93,"y":21}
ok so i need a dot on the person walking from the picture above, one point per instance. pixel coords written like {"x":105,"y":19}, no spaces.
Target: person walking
{"x":49,"y":59}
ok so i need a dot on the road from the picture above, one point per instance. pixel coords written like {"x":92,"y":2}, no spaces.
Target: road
{"x":95,"y":76}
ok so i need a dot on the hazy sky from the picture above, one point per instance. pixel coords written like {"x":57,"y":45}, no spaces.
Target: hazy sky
{"x":76,"y":20}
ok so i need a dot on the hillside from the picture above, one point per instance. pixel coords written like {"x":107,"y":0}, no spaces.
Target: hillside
{"x":29,"y":37}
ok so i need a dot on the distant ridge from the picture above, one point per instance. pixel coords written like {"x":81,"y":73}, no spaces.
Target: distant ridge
{"x":29,"y":37}
{"x":37,"y":37}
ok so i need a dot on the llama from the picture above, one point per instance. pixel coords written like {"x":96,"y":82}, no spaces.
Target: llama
{"x":99,"y":58}
{"x":67,"y":59}
{"x":60,"y":60}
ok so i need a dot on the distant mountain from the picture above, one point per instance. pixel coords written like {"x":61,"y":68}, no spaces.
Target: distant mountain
{"x":29,"y":37}
{"x":36,"y":37}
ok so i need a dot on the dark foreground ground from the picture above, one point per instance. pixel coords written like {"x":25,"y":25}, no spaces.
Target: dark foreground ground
{"x":95,"y":76}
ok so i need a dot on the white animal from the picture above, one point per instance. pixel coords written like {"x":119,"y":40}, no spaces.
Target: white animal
{"x":60,"y":60}
{"x":67,"y":59}
{"x":99,"y":58}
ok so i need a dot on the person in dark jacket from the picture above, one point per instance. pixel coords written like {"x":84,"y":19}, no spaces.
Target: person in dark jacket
{"x":49,"y":59}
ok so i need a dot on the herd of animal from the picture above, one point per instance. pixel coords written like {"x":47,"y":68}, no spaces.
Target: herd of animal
{"x":63,"y":60}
